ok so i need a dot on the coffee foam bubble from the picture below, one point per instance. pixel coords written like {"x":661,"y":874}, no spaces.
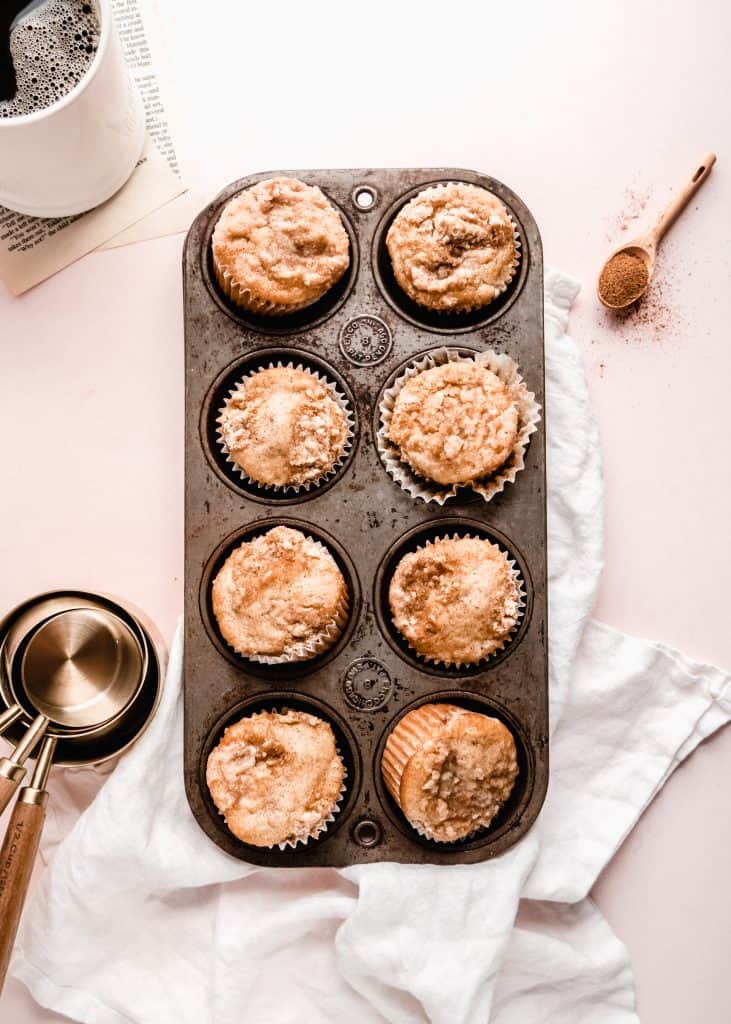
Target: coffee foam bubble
{"x":52,"y":49}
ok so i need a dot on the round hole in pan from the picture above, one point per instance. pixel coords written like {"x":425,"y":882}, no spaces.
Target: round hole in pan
{"x":509,"y":815}
{"x":433,"y":320}
{"x":291,"y":670}
{"x":219,"y":392}
{"x":291,"y":323}
{"x":417,"y":537}
{"x":277,"y":701}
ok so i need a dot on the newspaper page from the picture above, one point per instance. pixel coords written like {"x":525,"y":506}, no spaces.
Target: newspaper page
{"x":33,"y":248}
{"x":135,"y":33}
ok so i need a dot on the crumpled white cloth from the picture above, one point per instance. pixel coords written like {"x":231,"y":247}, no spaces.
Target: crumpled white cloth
{"x":140,"y":919}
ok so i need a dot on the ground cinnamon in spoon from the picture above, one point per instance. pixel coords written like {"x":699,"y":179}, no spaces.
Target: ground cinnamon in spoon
{"x":623,"y":279}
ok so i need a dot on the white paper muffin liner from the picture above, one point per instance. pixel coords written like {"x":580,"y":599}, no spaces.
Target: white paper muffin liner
{"x":529,"y":414}
{"x":517,"y":577}
{"x":317,"y":644}
{"x":245,"y":299}
{"x":291,"y":844}
{"x":408,"y":748}
{"x":501,"y":288}
{"x":308,"y":485}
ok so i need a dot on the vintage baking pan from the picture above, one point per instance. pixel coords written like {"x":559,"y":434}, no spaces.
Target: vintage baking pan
{"x":359,"y":335}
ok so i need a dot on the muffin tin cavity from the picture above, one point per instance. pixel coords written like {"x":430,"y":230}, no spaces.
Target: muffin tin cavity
{"x":281,"y":701}
{"x":358,"y":338}
{"x":433,"y":320}
{"x":290,"y":323}
{"x":509,"y":815}
{"x":417,"y":538}
{"x":219,"y":556}
{"x":216,"y":398}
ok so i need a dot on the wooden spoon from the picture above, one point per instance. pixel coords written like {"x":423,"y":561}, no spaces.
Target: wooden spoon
{"x":645,"y":247}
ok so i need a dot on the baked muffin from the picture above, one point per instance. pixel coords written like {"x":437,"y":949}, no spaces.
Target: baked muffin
{"x":453,"y":247}
{"x":283,"y":427}
{"x":455,"y":423}
{"x":456,"y":600}
{"x":276,"y":777}
{"x":279,"y":246}
{"x":450,"y":770}
{"x":280,"y":597}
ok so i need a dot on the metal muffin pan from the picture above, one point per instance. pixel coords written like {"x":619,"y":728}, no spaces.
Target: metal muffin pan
{"x":357,"y":336}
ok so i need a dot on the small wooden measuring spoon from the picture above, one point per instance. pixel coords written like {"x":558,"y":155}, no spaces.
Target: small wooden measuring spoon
{"x":645,"y":247}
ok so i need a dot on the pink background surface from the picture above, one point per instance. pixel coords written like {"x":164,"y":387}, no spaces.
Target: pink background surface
{"x":91,"y":362}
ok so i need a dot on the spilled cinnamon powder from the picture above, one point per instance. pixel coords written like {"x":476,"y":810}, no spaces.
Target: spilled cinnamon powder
{"x":623,"y":279}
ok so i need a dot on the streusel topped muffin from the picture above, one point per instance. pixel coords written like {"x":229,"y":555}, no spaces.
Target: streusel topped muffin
{"x":284,"y":427}
{"x":280,"y":597}
{"x":453,"y":247}
{"x":450,"y":770}
{"x":279,"y":246}
{"x":455,"y":423}
{"x":276,"y":777}
{"x":456,"y":600}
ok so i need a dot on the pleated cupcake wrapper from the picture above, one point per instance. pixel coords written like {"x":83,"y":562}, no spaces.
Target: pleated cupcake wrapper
{"x":291,"y":844}
{"x":405,"y":740}
{"x":529,"y":415}
{"x":516,"y":575}
{"x":341,"y":400}
{"x":245,"y":299}
{"x":501,"y":288}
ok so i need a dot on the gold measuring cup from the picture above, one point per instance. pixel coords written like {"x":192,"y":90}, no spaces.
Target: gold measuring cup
{"x":90,"y":675}
{"x":78,"y":669}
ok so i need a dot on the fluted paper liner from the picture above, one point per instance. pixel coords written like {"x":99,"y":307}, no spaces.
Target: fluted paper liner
{"x":517,"y":577}
{"x":308,"y":485}
{"x":406,"y":737}
{"x":529,"y":414}
{"x":501,"y":288}
{"x":245,"y":299}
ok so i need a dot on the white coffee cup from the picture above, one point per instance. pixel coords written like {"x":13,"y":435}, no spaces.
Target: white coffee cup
{"x":73,"y":155}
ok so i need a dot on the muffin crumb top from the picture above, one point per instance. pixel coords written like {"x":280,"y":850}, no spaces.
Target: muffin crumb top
{"x":453,"y":247}
{"x":455,"y":600}
{"x":276,"y":776}
{"x":279,"y":594}
{"x":455,"y":423}
{"x":282,"y":241}
{"x":457,"y":781}
{"x":283,"y":427}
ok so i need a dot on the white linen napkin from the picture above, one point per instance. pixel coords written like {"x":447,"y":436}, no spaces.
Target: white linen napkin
{"x":140,"y":919}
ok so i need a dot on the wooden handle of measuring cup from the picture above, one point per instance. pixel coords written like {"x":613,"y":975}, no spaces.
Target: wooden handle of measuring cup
{"x":19,"y":850}
{"x":16,"y":867}
{"x":684,"y":196}
{"x":10,"y":778}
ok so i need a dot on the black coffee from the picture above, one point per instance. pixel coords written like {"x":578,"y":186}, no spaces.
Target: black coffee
{"x":48,"y":52}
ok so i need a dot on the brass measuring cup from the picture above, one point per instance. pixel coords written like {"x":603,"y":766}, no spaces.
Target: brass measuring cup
{"x":81,"y":671}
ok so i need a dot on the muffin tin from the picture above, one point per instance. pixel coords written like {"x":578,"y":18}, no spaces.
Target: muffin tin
{"x":358,"y":336}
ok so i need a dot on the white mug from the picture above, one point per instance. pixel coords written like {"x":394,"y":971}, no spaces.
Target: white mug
{"x":71,"y":156}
